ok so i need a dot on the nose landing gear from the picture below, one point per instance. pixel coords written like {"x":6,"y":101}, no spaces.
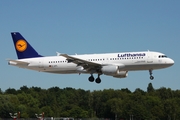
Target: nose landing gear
{"x":151,"y":77}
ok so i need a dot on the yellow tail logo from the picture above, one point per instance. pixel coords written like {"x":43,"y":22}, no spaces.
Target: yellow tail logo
{"x":21,"y":45}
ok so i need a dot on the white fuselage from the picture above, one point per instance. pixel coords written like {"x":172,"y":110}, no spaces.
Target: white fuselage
{"x":128,"y":61}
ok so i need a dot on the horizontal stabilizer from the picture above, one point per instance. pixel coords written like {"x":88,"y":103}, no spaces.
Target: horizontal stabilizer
{"x":17,"y":62}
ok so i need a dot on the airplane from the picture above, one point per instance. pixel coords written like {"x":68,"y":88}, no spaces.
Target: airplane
{"x":112,"y":64}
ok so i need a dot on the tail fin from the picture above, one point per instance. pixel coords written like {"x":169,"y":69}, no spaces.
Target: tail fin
{"x":23,"y":48}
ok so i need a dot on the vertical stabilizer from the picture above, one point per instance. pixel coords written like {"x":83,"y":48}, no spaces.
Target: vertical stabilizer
{"x":22,"y":47}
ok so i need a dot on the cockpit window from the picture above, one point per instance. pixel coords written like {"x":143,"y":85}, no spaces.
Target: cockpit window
{"x":162,"y":56}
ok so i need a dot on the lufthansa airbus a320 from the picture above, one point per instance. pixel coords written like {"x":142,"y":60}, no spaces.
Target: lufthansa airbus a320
{"x":112,"y":64}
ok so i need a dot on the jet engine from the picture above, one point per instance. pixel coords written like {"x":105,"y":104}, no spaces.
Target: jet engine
{"x":81,"y":70}
{"x":113,"y":70}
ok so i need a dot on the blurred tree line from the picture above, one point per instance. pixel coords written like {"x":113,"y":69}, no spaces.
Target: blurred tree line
{"x":153,"y":104}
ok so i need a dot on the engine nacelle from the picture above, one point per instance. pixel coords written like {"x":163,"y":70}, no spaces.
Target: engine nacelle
{"x":121,"y":74}
{"x":81,"y":70}
{"x":114,"y":71}
{"x":109,"y":70}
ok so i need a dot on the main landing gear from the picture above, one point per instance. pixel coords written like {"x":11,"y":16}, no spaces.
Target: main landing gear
{"x":151,"y":77}
{"x":98,"y":79}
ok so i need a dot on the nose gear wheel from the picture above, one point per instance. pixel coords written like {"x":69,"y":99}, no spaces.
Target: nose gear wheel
{"x":151,"y":77}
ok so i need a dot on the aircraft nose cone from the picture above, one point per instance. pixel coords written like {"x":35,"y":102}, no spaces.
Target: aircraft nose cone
{"x":171,"y":62}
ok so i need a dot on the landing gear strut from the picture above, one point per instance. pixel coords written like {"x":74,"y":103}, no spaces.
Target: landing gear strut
{"x":98,"y":80}
{"x":151,"y":77}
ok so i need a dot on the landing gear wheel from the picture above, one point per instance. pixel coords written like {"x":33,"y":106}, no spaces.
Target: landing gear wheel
{"x":151,"y":77}
{"x":98,"y":80}
{"x":91,"y":79}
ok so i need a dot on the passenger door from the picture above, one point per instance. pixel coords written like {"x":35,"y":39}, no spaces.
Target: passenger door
{"x":150,"y":57}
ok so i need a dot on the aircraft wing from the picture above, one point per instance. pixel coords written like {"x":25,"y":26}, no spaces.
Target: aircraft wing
{"x":17,"y":62}
{"x":80,"y":62}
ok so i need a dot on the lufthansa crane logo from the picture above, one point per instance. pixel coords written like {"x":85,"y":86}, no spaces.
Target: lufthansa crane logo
{"x":21,"y":45}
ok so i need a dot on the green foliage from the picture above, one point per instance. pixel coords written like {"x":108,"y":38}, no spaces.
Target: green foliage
{"x":1,"y":92}
{"x":115,"y":105}
{"x":6,"y":106}
{"x":150,"y":88}
{"x":155,"y":104}
{"x":47,"y":110}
